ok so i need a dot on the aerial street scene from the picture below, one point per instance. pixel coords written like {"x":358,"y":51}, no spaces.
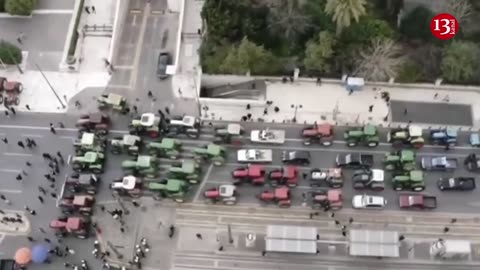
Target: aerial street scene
{"x":239,"y":134}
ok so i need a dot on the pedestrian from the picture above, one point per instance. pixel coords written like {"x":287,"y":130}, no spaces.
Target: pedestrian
{"x":77,"y":104}
{"x":20,"y":37}
{"x":122,"y":230}
{"x":46,"y":156}
{"x":19,"y":177}
{"x":370,"y":108}
{"x":27,"y":208}
{"x":337,"y":222}
{"x":47,"y":240}
{"x":53,"y":194}
{"x":28,"y":107}
{"x":435,"y":96}
{"x":102,"y":208}
{"x":332,"y":215}
{"x":248,"y":106}
{"x":28,"y":164}
{"x":135,"y":203}
{"x":33,"y":212}
{"x":150,"y":94}
{"x":264,"y":253}
{"x":319,"y":81}
{"x":249,"y":116}
{"x":42,"y":230}
{"x":14,"y":112}
{"x":401,"y":238}
{"x":199,"y":236}
{"x":2,"y":197}
{"x":311,"y":215}
{"x":5,"y":140}
{"x":52,"y":129}
{"x":344,"y":233}
{"x":220,"y":248}
{"x":265,"y":112}
{"x":40,"y":198}
{"x":30,"y":239}
{"x":20,"y":143}
{"x":48,"y":176}
{"x":61,"y":125}
{"x":350,"y":92}
{"x":405,"y":111}
{"x":446,"y":229}
{"x":350,"y":220}
{"x":87,"y":9}
{"x":167,"y":110}
{"x":180,"y":92}
{"x":135,"y":109}
{"x":93,"y":9}
{"x":304,"y":175}
{"x":344,"y":227}
{"x":453,"y":220}
{"x":276,"y":109}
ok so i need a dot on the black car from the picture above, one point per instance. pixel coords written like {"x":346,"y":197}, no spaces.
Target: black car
{"x":163,"y":62}
{"x":456,"y":183}
{"x":296,"y":157}
{"x":354,"y":160}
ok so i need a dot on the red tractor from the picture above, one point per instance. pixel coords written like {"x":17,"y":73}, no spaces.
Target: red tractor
{"x":331,"y":199}
{"x":82,"y":204}
{"x":71,"y":226}
{"x":322,"y":134}
{"x":12,"y":90}
{"x":255,"y":174}
{"x":94,"y":122}
{"x":281,"y":196}
{"x":287,"y":175}
{"x":225,"y":194}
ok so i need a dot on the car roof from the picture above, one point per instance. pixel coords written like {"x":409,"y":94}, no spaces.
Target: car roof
{"x":299,"y":153}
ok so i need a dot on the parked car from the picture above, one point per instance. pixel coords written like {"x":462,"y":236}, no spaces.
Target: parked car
{"x":296,"y":157}
{"x":368,"y":202}
{"x":456,"y":183}
{"x":354,"y":160}
{"x":163,"y":62}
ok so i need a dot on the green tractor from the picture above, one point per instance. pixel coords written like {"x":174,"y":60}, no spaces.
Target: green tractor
{"x":188,"y":170}
{"x":148,"y":124}
{"x":169,"y":148}
{"x":128,"y":143}
{"x":90,"y":161}
{"x":412,"y":180}
{"x":146,"y":166}
{"x":213,"y":152}
{"x":367,"y":135}
{"x":169,"y":188}
{"x":403,"y":160}
{"x":89,"y":142}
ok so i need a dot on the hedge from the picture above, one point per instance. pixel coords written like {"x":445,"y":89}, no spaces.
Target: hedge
{"x":74,"y":39}
{"x":10,"y":54}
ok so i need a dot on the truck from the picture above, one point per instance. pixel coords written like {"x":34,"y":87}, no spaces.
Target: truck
{"x":417,"y":201}
{"x":451,"y":249}
{"x":255,"y":155}
{"x":354,"y":160}
{"x":272,"y":136}
{"x":439,"y":163}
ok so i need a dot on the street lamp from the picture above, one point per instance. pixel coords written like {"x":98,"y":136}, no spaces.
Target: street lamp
{"x":296,"y":107}
{"x":50,"y":85}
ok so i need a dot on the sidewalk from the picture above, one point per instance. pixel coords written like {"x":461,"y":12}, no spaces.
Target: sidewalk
{"x":15,"y":228}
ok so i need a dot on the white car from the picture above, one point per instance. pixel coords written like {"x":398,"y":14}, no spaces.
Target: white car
{"x":254,"y":155}
{"x":368,"y":202}
{"x":268,"y":136}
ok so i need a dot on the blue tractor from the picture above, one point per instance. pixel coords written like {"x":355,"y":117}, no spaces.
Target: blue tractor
{"x":444,"y":136}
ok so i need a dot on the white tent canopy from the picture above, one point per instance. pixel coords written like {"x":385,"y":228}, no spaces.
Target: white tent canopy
{"x":293,"y":239}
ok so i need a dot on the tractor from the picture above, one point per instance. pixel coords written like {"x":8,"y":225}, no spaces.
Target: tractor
{"x":412,"y":180}
{"x":145,"y":166}
{"x":411,"y":136}
{"x":254,"y":174}
{"x":128,"y":186}
{"x":71,"y":226}
{"x":287,"y":175}
{"x":89,"y":142}
{"x":280,"y":195}
{"x":187,"y":125}
{"x":128,"y":143}
{"x":188,"y":170}
{"x":148,"y":124}
{"x":403,"y":160}
{"x":231,"y":134}
{"x":225,"y":194}
{"x":367,"y":135}
{"x":82,"y":183}
{"x":213,"y":152}
{"x":90,"y":161}
{"x":114,"y":101}
{"x":167,"y":148}
{"x":169,"y":188}
{"x":322,"y":134}
{"x":97,"y":123}
{"x":327,"y":199}
{"x":446,"y":136}
{"x":82,"y":204}
{"x":472,"y":162}
{"x":11,"y":90}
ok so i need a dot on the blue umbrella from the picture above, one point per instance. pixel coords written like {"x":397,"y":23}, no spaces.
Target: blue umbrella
{"x":40,"y":252}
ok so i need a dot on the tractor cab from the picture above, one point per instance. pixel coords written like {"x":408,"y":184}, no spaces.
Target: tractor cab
{"x":168,"y":147}
{"x":128,"y":185}
{"x":327,"y":199}
{"x":322,"y":134}
{"x":114,"y":101}
{"x":88,"y":142}
{"x":147,"y":124}
{"x":231,"y":134}
{"x":447,"y":136}
{"x":188,"y":125}
{"x":401,"y":160}
{"x":129,"y":143}
{"x":90,"y":161}
{"x":223,"y":193}
{"x":188,"y":170}
{"x":212,"y":152}
{"x":170,"y":188}
{"x":472,"y":162}
{"x":287,"y":175}
{"x":281,"y":196}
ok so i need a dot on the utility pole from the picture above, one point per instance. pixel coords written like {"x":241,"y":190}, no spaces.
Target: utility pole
{"x":51,"y":87}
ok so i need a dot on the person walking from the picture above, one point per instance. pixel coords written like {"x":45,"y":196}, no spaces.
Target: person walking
{"x":14,"y":112}
{"x":7,"y":114}
{"x":150,"y":94}
{"x":167,"y":110}
{"x":93,"y":9}
{"x":52,"y":129}
{"x":19,"y":177}
{"x":28,"y":107}
{"x":87,"y":9}
{"x":5,"y":140}
{"x":28,"y":164}
{"x":20,"y":143}
{"x":40,"y":198}
{"x":199,"y":236}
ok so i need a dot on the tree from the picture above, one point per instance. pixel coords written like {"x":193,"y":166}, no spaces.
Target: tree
{"x":319,"y":52}
{"x":287,"y":18}
{"x":381,"y":61}
{"x":249,"y":57}
{"x":461,"y":9}
{"x":410,"y":72}
{"x":20,"y":7}
{"x":344,"y":11}
{"x":460,"y":61}
{"x":10,"y":54}
{"x":416,"y":25}
{"x":2,"y":5}
{"x":366,"y":30}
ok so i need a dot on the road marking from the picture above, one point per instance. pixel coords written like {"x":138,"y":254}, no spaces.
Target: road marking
{"x":72,"y":138}
{"x":18,"y":154}
{"x":134,"y":21}
{"x":10,"y":170}
{"x":13,"y":191}
{"x":52,"y":11}
{"x":138,"y":49}
{"x":69,"y":159}
{"x":107,"y":202}
{"x":32,"y":135}
{"x":204,"y":181}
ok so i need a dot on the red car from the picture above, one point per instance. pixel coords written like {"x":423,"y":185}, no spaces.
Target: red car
{"x":287,"y":175}
{"x":254,"y":174}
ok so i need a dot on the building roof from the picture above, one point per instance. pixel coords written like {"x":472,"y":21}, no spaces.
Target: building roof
{"x":293,"y":239}
{"x":374,"y":243}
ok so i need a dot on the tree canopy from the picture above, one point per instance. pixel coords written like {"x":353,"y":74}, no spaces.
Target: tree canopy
{"x":366,"y":30}
{"x":381,"y":61}
{"x":416,"y":25}
{"x":10,"y":54}
{"x":319,"y":53}
{"x":461,"y":61}
{"x":20,"y":7}
{"x":343,"y":12}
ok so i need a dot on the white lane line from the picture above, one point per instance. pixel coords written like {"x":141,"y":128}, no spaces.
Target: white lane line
{"x":13,"y":191}
{"x":204,"y":181}
{"x":18,"y":154}
{"x":32,"y":135}
{"x":69,"y":159}
{"x":10,"y":170}
{"x":52,"y":11}
{"x":71,"y":138}
{"x":107,"y":202}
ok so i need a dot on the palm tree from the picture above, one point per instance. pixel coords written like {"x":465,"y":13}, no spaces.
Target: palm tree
{"x":381,"y":61}
{"x":344,"y":11}
{"x":287,"y":18}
